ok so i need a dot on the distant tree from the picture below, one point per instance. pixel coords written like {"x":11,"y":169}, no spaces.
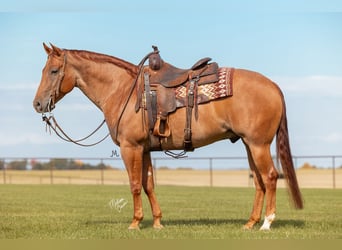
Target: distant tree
{"x":39,"y":166}
{"x":58,"y":164}
{"x":307,"y":165}
{"x":17,"y":165}
{"x":101,"y":166}
{"x":163,"y":168}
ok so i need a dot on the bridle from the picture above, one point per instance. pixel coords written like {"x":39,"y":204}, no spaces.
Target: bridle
{"x":56,"y":86}
{"x":51,"y":122}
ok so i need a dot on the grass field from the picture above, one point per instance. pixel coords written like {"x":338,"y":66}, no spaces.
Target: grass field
{"x":83,"y":212}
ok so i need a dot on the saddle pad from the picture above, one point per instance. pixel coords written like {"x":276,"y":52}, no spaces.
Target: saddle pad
{"x":211,"y":91}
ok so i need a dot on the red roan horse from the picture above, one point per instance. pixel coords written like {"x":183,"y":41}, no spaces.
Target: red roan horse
{"x":255,"y":113}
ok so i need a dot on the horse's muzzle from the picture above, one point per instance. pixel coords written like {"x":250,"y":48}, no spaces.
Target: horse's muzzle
{"x":43,"y":106}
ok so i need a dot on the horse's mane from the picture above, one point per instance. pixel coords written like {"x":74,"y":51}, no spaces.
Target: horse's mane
{"x":98,"y":57}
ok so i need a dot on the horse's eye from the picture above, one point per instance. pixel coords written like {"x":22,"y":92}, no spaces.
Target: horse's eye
{"x":54,"y":71}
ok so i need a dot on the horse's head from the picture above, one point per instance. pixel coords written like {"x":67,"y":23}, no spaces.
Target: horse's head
{"x":55,"y":81}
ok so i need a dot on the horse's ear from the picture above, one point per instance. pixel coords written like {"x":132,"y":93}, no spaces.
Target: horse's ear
{"x":47,"y":49}
{"x":56,"y":50}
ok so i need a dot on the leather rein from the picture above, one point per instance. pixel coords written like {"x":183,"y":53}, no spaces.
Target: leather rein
{"x":52,"y":123}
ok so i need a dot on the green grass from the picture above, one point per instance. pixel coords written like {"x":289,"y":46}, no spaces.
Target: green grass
{"x":83,"y":212}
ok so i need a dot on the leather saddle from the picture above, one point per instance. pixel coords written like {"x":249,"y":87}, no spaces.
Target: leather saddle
{"x":170,"y":76}
{"x":160,"y":82}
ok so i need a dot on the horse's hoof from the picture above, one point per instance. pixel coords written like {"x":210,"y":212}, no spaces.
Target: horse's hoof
{"x":158,"y":227}
{"x":267,"y":222}
{"x":134,"y":227}
{"x":247,"y":227}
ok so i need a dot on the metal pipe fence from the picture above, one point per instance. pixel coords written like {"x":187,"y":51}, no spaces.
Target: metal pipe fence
{"x":312,"y":171}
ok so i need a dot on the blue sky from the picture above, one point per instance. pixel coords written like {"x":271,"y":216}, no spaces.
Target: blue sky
{"x":297,"y":45}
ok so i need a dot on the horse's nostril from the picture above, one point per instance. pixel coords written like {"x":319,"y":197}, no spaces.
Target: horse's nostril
{"x":37,"y":106}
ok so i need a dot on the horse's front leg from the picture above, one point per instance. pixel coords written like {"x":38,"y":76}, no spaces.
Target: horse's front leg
{"x":148,"y":185}
{"x":133,"y":159}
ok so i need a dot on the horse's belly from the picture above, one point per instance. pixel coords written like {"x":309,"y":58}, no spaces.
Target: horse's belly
{"x":210,"y":126}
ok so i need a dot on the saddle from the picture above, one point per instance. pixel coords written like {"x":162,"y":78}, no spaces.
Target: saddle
{"x":169,"y":76}
{"x":167,"y":88}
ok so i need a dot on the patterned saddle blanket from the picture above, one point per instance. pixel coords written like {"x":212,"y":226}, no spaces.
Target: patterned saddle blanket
{"x":210,"y":91}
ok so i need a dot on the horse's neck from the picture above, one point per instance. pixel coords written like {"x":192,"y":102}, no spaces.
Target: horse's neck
{"x":101,"y":81}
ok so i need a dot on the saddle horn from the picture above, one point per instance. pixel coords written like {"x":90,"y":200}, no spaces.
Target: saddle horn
{"x":154,"y":61}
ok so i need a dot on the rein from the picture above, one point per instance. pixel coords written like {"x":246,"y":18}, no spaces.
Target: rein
{"x":140,"y":65}
{"x":51,"y":123}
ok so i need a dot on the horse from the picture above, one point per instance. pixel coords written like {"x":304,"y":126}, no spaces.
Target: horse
{"x":255,"y":113}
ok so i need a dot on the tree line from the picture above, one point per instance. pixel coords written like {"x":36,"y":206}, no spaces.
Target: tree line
{"x":59,"y":164}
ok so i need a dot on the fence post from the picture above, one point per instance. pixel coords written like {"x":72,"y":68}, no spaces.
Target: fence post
{"x":51,"y":170}
{"x":4,"y":170}
{"x":102,"y":172}
{"x":211,"y":171}
{"x":333,"y":168}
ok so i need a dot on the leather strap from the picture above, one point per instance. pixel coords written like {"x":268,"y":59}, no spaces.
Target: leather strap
{"x":148,"y":101}
{"x":190,"y":104}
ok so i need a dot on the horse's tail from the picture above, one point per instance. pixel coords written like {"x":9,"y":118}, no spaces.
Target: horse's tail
{"x":285,"y":156}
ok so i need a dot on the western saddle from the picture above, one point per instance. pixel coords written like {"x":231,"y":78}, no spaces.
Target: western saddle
{"x":159,"y":99}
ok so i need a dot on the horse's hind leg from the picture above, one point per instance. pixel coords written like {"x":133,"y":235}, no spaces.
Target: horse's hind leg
{"x":259,"y":193}
{"x":148,"y":185}
{"x":266,"y":176}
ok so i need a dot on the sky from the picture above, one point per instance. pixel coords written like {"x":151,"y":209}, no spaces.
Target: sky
{"x":297,"y":45}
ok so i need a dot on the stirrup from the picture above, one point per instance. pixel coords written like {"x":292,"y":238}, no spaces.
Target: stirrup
{"x":161,"y":128}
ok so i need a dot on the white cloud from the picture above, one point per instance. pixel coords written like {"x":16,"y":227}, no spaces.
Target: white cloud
{"x":335,"y":137}
{"x":15,"y":107}
{"x":18,"y":86}
{"x":312,"y":85}
{"x":76,"y":107}
{"x":27,"y":139}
